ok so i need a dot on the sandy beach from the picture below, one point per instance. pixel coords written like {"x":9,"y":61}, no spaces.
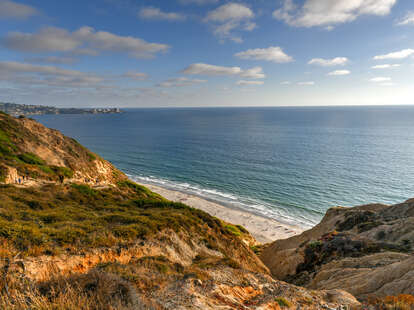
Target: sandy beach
{"x":263,"y":229}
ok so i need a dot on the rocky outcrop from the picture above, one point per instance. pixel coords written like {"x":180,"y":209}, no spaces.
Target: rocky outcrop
{"x":365,"y":250}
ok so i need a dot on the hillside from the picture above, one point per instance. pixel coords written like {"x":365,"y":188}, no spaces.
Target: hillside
{"x":75,"y":233}
{"x":366,"y":250}
{"x":35,"y":154}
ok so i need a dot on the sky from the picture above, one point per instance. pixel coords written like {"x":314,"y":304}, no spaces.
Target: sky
{"x":202,"y":53}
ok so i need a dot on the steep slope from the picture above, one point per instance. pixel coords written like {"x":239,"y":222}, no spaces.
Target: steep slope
{"x":34,"y":154}
{"x":365,"y":250}
{"x":67,"y":242}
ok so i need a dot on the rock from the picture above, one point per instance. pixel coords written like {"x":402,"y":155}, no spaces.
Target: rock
{"x":365,"y":250}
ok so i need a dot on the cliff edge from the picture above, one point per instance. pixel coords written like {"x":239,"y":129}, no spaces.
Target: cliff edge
{"x":365,"y":250}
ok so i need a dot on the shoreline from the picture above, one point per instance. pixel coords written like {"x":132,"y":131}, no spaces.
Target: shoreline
{"x":262,"y":228}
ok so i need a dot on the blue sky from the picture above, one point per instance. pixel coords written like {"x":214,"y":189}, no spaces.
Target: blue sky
{"x":154,"y":53}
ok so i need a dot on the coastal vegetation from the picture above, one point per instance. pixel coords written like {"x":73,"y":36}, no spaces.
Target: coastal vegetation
{"x":57,"y":219}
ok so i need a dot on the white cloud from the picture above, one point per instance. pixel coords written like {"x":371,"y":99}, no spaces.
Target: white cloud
{"x":273,"y":53}
{"x":407,"y":20}
{"x":156,"y":13}
{"x":10,"y":9}
{"x":139,"y":76}
{"x":339,"y":72}
{"x":46,"y":40}
{"x":84,"y":40}
{"x":211,"y":70}
{"x":249,"y":83}
{"x":15,"y":67}
{"x":253,"y":73}
{"x":36,"y":75}
{"x":308,"y":83}
{"x":231,"y":17}
{"x":396,"y":55}
{"x":180,"y":82}
{"x":337,"y":61}
{"x":386,"y":66}
{"x":380,"y":79}
{"x":285,"y":83}
{"x":328,"y":13}
{"x":230,"y":11}
{"x":206,"y":69}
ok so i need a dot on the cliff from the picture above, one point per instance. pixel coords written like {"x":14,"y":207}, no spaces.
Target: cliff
{"x":365,"y":250}
{"x":75,"y":233}
{"x":35,"y":154}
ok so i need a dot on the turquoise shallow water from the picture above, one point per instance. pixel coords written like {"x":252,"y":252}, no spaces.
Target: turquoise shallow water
{"x":290,"y":164}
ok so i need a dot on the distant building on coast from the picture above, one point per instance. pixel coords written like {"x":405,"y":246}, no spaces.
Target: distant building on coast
{"x":29,"y":109}
{"x":105,"y":110}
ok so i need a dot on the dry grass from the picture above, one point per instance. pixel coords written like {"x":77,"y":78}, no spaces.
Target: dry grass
{"x":400,"y":302}
{"x":92,"y":291}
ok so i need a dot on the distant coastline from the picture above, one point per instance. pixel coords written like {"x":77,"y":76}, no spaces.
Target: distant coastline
{"x":28,"y":109}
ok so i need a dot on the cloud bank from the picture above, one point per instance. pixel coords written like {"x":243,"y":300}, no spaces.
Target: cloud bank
{"x":85,"y":40}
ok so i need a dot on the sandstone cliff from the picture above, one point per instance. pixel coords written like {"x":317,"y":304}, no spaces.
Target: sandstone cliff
{"x":365,"y":250}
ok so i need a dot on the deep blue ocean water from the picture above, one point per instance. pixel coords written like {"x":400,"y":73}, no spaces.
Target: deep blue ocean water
{"x":290,"y":164}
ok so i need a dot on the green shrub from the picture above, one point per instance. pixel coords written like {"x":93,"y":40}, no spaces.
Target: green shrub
{"x":315,"y":244}
{"x":4,"y":137}
{"x":283,"y":302}
{"x":30,"y":158}
{"x":46,"y":169}
{"x":62,"y":171}
{"x":91,"y":156}
{"x":84,"y":189}
{"x":233,"y":230}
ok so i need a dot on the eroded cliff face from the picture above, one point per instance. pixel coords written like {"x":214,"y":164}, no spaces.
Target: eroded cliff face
{"x":365,"y":250}
{"x":170,"y":271}
{"x":33,"y":154}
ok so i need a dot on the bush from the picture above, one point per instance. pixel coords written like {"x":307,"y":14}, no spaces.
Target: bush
{"x":233,"y":230}
{"x":84,"y":189}
{"x":4,"y":137}
{"x":283,"y":302}
{"x":62,"y":171}
{"x":3,"y":173}
{"x":30,"y":158}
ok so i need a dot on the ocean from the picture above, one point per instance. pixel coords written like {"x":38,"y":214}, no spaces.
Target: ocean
{"x":290,"y":164}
